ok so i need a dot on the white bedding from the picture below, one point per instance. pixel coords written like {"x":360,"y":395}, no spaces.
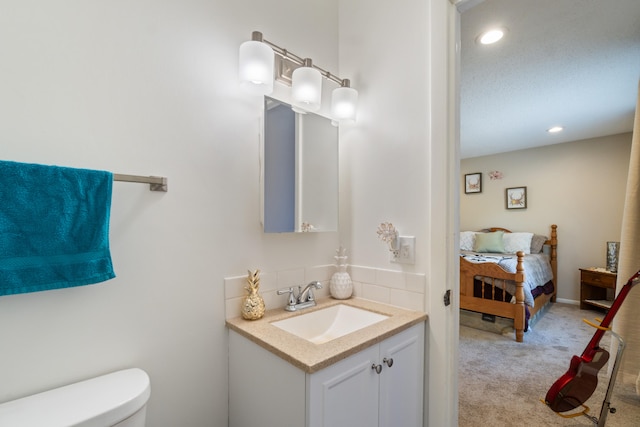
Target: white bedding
{"x":537,"y":270}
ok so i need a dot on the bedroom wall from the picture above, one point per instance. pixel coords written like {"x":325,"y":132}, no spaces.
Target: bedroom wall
{"x":579,"y":186}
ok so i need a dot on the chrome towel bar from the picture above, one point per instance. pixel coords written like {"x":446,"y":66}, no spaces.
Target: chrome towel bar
{"x":156,"y":183}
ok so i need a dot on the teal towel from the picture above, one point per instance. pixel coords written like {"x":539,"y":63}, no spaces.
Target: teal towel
{"x":54,"y":227}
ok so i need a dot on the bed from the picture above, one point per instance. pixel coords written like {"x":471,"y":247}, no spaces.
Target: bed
{"x":500,"y":281}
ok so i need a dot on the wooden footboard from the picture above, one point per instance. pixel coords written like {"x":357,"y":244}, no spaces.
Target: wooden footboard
{"x":493,"y":273}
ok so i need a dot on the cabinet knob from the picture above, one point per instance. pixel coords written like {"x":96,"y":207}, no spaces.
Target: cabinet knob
{"x":388,"y":361}
{"x":377,"y":368}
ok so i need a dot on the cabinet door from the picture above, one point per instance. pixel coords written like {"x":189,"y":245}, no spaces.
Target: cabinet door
{"x":401,"y":384}
{"x":345,"y":394}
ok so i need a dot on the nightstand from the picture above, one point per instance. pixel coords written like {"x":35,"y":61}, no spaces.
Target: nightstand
{"x":597,"y":288}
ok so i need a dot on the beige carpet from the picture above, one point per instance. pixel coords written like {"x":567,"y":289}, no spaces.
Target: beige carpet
{"x":501,"y":381}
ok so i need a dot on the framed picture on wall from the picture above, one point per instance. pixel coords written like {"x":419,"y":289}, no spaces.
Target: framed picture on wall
{"x":473,"y":183}
{"x":516,"y":198}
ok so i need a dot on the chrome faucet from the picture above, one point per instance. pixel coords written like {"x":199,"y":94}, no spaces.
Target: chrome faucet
{"x":304,"y":298}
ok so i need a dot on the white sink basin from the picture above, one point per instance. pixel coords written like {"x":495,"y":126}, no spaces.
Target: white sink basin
{"x":329,"y":323}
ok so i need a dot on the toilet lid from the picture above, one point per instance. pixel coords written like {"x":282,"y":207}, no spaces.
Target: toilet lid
{"x":100,"y":401}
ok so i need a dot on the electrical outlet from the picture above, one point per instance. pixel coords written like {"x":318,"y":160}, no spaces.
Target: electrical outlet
{"x":406,"y":250}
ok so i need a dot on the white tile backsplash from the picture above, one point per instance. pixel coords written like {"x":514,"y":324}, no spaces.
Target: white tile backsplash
{"x":232,"y":307}
{"x":406,"y":299}
{"x":268,"y":282}
{"x":391,"y":279}
{"x":406,"y":290}
{"x":321,"y":273}
{"x":362,"y":274}
{"x":416,"y":282}
{"x":234,"y":287}
{"x":376,"y":293}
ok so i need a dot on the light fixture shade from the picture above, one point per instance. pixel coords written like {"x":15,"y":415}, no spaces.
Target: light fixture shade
{"x":256,"y":67}
{"x":344,"y":101}
{"x":306,"y":88}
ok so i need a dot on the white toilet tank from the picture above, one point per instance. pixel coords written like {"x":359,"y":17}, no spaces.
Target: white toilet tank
{"x":114,"y":400}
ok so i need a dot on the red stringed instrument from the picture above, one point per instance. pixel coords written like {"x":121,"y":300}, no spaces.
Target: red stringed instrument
{"x":578,"y":384}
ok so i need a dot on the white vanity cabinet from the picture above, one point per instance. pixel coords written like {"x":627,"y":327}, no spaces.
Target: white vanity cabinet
{"x":381,"y":385}
{"x":390,"y":374}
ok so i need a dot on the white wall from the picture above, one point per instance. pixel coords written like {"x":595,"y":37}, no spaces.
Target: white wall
{"x":150,"y":88}
{"x":580,"y":186}
{"x":396,"y":164}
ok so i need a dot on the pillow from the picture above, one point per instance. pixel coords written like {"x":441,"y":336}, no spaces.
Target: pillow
{"x":489,"y":242}
{"x":514,"y":242}
{"x":467,"y":238}
{"x":536,"y":243}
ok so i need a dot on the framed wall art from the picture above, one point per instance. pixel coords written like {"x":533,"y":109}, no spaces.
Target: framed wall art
{"x":473,"y":183}
{"x":516,"y":198}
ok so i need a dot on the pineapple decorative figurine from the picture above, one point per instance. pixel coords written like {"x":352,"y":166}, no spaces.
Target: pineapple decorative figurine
{"x":340,"y":285}
{"x":253,"y":304}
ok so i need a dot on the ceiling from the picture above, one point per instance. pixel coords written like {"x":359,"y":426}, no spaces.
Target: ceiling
{"x":569,"y":63}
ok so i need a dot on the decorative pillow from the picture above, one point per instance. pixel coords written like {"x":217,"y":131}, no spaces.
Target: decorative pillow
{"x":489,"y":242}
{"x":467,"y":238}
{"x":536,"y":243}
{"x":514,"y":242}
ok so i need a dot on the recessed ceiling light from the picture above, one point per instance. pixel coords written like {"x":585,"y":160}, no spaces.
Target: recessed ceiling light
{"x":555,"y":129}
{"x":491,"y":36}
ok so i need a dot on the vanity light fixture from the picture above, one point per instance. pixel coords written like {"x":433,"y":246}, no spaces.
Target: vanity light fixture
{"x":555,"y":129}
{"x":343,"y":102}
{"x":256,"y":66}
{"x":304,"y":77}
{"x":306,"y":87}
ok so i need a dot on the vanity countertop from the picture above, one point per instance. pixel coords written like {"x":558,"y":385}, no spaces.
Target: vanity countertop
{"x":313,"y":357}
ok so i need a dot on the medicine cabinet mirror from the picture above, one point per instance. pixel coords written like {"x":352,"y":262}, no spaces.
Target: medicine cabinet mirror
{"x":299,"y":170}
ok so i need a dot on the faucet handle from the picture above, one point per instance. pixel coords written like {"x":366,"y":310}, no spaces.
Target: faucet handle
{"x":290,"y":291}
{"x":310,"y":296}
